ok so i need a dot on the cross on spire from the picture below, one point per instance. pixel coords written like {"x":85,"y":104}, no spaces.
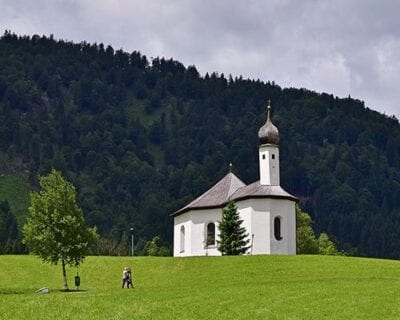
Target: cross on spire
{"x":269,"y":111}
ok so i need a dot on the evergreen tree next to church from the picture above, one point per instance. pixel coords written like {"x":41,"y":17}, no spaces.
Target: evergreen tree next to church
{"x":232,"y":234}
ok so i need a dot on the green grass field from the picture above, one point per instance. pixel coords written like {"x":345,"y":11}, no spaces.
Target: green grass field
{"x":246,"y":287}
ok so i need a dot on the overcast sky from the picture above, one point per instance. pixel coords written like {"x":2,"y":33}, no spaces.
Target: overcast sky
{"x":340,"y":47}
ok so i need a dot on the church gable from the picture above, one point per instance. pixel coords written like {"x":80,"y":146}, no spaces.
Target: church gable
{"x":217,"y":196}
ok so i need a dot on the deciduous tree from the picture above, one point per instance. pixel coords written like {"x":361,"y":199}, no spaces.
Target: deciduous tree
{"x":55,"y":229}
{"x":306,"y":241}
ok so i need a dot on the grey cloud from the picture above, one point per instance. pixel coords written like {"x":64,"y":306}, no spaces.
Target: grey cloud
{"x":341,"y":47}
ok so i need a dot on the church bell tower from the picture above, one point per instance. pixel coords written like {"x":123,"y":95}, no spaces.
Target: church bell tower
{"x":269,"y":152}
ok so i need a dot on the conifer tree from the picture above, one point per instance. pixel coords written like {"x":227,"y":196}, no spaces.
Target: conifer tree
{"x":232,"y":235}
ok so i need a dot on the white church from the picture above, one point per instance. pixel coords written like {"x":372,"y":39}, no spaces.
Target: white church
{"x":267,"y":210}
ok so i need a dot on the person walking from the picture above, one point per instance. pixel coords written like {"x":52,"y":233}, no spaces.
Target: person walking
{"x":130,"y":280}
{"x":127,"y":278}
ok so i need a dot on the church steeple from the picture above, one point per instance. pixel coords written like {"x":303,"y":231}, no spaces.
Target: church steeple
{"x":268,"y":133}
{"x":269,"y":152}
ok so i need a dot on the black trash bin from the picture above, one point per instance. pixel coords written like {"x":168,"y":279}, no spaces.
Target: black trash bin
{"x":77,"y":281}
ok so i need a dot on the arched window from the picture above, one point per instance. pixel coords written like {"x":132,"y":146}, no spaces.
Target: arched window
{"x":182,"y":248}
{"x":277,"y":228}
{"x":210,"y":240}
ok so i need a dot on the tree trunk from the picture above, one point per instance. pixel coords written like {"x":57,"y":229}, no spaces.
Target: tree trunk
{"x":64,"y":275}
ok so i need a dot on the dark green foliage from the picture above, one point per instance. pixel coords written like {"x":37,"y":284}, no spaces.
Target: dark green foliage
{"x":9,"y":237}
{"x":307,"y":242}
{"x":140,"y":138}
{"x":155,"y":248}
{"x":233,"y":237}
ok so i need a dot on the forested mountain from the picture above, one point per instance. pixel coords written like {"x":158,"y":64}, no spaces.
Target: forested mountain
{"x":140,"y":137}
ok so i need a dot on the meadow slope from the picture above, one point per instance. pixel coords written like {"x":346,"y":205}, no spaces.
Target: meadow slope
{"x":245,"y":287}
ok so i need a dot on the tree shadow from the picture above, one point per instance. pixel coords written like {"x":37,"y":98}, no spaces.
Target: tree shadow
{"x":33,"y":291}
{"x":72,"y":291}
{"x":17,"y":291}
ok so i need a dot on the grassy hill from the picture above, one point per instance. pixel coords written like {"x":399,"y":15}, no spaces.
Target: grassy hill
{"x":246,"y":287}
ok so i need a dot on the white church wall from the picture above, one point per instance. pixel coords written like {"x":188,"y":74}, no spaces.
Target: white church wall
{"x":199,"y":232}
{"x":257,"y":224}
{"x":259,"y":215}
{"x":195,"y":223}
{"x":255,"y":221}
{"x":185,"y":221}
{"x":285,"y":209}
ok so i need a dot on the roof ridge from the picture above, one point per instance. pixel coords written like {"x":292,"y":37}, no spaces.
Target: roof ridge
{"x":217,"y":194}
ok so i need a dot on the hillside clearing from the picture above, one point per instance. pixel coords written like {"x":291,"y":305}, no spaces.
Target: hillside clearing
{"x":14,"y":188}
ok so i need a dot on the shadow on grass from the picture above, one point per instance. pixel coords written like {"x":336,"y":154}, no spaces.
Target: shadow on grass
{"x":33,"y":291}
{"x":16,"y":291}
{"x":72,"y":291}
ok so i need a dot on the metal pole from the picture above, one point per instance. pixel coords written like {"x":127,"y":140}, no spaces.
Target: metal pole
{"x":251,"y":247}
{"x":132,"y":246}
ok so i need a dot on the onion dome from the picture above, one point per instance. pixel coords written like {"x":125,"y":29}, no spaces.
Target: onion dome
{"x":268,"y":133}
